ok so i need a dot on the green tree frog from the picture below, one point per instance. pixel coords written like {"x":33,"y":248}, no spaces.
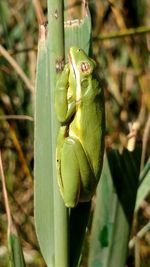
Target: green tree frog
{"x":79,"y":104}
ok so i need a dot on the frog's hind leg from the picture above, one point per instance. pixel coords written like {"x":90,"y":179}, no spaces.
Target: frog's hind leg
{"x":77,"y":177}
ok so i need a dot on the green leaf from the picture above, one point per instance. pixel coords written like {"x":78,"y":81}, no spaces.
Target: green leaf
{"x":16,"y":254}
{"x":115,"y":202}
{"x":43,"y":194}
{"x":144,"y":187}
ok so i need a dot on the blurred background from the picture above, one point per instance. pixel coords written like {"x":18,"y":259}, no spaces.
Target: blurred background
{"x":124,"y":68}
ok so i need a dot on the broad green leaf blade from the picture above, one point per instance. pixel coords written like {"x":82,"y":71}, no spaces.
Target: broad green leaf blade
{"x":115,"y":202}
{"x":16,"y":254}
{"x":43,"y":194}
{"x":144,"y":187}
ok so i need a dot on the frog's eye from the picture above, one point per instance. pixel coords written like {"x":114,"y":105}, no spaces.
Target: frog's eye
{"x":85,"y":67}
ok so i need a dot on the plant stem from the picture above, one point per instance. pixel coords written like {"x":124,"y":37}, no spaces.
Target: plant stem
{"x":56,"y":59}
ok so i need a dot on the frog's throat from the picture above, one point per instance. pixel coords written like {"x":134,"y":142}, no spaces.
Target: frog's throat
{"x":77,"y":77}
{"x":78,"y":92}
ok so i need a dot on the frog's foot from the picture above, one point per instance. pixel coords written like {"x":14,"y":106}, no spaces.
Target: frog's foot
{"x":77,"y":180}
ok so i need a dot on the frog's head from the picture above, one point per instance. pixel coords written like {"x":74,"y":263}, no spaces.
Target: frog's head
{"x":80,"y":62}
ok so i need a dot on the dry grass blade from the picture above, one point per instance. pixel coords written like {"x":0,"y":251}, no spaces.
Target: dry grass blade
{"x":16,"y":117}
{"x":17,"y":68}
{"x":16,"y":254}
{"x":39,"y":11}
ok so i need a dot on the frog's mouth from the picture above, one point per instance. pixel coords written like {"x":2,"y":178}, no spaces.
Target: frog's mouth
{"x":72,"y":63}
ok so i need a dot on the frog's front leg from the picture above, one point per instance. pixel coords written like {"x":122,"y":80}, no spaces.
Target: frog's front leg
{"x":64,"y":105}
{"x":76,"y":178}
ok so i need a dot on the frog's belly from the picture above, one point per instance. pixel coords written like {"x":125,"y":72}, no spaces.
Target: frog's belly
{"x":86,"y":126}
